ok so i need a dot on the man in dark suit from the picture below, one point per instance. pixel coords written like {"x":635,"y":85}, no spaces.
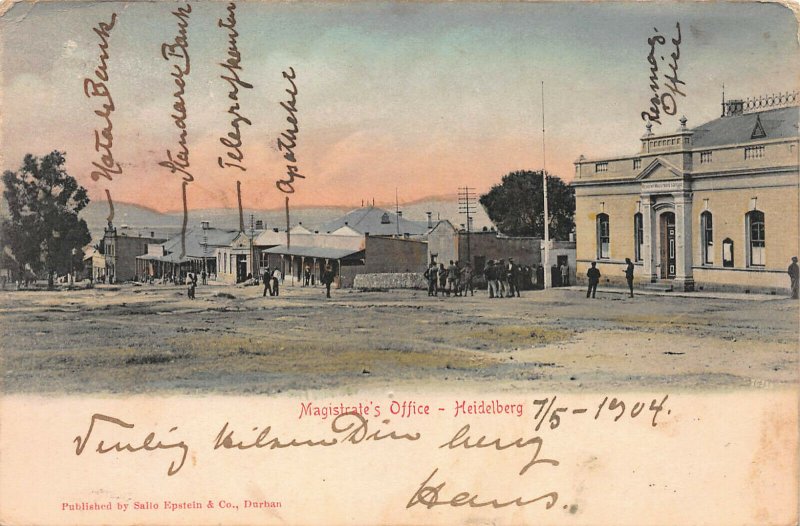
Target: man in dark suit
{"x":594,"y":278}
{"x":629,"y":274}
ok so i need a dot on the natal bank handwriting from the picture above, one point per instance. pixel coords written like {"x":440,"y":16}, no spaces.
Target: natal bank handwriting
{"x":350,"y":426}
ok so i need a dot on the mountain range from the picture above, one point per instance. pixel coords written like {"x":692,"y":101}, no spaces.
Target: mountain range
{"x":139,"y":217}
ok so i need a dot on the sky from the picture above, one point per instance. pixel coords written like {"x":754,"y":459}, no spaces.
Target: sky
{"x":414,"y":98}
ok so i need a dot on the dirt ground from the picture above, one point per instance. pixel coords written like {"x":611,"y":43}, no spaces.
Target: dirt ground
{"x":152,"y":338}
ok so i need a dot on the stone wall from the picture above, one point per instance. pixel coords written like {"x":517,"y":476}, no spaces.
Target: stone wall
{"x":398,"y":280}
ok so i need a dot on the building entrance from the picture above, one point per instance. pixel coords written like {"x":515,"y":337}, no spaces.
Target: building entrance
{"x":668,"y":261}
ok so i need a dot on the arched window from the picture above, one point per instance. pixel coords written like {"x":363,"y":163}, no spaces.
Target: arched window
{"x":707,"y":237}
{"x":727,"y":252}
{"x":757,"y":241}
{"x":638,"y":236}
{"x":603,"y":237}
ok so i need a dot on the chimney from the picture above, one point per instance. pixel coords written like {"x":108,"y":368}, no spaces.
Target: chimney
{"x":734,"y":107}
{"x":205,"y":225}
{"x":430,"y":219}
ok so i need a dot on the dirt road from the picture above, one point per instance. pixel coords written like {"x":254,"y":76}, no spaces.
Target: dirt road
{"x":135,"y":339}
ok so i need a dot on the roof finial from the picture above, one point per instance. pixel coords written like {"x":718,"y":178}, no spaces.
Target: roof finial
{"x":683,"y":120}
{"x":723,"y":100}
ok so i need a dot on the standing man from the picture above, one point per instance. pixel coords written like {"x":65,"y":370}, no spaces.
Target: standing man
{"x":266,"y":278}
{"x":502,"y":280}
{"x":487,"y":273}
{"x":512,"y":276}
{"x":466,"y":280}
{"x":442,"y":278}
{"x":452,"y":279}
{"x":794,"y":276}
{"x":204,"y":276}
{"x":276,"y":278}
{"x":307,"y":275}
{"x":327,"y":279}
{"x":594,"y":278}
{"x":629,"y":274}
{"x":564,"y":275}
{"x":431,"y":275}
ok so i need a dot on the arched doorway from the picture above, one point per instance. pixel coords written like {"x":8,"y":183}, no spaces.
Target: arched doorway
{"x":667,"y":253}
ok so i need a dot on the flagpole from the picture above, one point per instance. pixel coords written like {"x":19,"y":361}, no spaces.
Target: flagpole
{"x":548,"y":278}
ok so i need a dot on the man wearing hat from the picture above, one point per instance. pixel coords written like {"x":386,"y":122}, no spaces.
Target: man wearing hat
{"x":794,"y":275}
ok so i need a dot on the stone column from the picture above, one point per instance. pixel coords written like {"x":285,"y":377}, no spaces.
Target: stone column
{"x":648,"y":252}
{"x":683,"y":241}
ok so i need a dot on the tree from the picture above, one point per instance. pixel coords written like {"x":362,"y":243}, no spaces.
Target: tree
{"x":516,"y":205}
{"x":43,"y":230}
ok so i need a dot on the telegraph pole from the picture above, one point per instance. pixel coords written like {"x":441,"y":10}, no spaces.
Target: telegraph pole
{"x":548,"y":278}
{"x":466,"y":198}
{"x":252,"y":255}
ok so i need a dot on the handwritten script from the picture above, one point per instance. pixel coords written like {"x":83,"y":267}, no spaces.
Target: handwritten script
{"x":96,"y":87}
{"x":110,"y":434}
{"x":232,"y":65}
{"x":177,"y":52}
{"x":663,"y":100}
{"x":290,"y":136}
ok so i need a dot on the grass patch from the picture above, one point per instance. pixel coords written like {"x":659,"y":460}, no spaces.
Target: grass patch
{"x":152,"y":358}
{"x":235,"y":353}
{"x":520,"y":335}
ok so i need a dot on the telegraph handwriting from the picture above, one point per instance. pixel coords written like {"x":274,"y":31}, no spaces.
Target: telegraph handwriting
{"x":232,"y":65}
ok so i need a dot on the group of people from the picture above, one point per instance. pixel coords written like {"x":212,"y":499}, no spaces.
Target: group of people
{"x":454,"y":279}
{"x":504,"y":278}
{"x":271,"y":281}
{"x":273,"y":278}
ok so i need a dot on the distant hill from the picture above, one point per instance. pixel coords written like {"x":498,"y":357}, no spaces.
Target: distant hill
{"x":125,"y":214}
{"x":135,"y":216}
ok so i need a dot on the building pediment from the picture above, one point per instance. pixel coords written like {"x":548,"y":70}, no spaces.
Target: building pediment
{"x":660,"y":170}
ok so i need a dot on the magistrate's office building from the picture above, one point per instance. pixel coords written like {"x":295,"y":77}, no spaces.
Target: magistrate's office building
{"x":713,"y":207}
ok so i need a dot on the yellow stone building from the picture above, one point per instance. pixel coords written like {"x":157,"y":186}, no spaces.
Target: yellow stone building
{"x":713,"y":207}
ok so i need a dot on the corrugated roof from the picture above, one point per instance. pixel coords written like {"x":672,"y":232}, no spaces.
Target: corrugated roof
{"x":214,"y":237}
{"x":371,"y":220}
{"x":779,"y":123}
{"x":313,"y":252}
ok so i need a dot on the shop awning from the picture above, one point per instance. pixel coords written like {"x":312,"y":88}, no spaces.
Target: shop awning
{"x":314,"y":252}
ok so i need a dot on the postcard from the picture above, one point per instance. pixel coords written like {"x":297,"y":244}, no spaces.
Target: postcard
{"x":401,"y":263}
